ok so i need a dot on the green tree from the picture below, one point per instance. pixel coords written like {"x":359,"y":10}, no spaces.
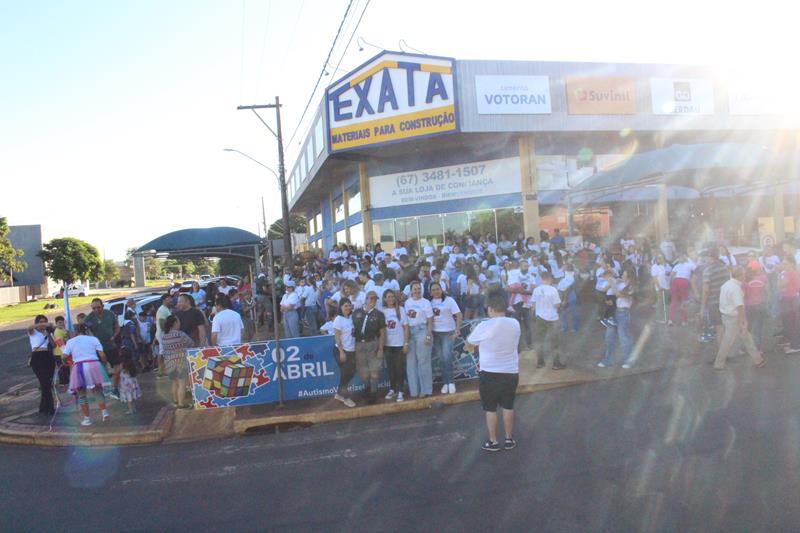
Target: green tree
{"x":153,"y":268}
{"x":206,"y":266}
{"x":297,"y":223}
{"x":70,"y":260}
{"x":9,"y":256}
{"x":110,"y":271}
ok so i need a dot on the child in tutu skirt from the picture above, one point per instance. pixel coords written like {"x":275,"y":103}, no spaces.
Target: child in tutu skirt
{"x":129,"y":390}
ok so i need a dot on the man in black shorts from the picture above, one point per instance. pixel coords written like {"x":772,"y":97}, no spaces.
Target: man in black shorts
{"x":105,"y":327}
{"x":497,"y":339}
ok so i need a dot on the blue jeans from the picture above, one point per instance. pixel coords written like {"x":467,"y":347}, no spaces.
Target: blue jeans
{"x":443,"y":350}
{"x":418,"y":362}
{"x":570,"y":307}
{"x":291,"y":324}
{"x":623,"y":330}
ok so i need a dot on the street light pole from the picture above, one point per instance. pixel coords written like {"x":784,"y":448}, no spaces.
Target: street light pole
{"x":287,"y":236}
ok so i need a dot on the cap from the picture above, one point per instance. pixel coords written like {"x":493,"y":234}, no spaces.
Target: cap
{"x":290,"y":283}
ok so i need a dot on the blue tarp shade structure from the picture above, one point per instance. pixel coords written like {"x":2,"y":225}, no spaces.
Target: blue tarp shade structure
{"x":701,"y":167}
{"x":192,"y":239}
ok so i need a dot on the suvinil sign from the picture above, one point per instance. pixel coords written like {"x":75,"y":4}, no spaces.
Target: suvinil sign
{"x":392,"y":97}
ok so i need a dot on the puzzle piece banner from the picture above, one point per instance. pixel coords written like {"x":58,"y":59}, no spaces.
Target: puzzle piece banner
{"x":247,"y":374}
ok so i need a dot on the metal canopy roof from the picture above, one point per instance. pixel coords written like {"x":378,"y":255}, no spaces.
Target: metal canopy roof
{"x":213,"y":242}
{"x":703,"y":167}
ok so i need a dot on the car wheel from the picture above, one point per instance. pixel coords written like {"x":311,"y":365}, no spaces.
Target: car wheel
{"x":81,"y":294}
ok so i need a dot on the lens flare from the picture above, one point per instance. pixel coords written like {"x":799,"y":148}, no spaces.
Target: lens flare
{"x":90,"y":467}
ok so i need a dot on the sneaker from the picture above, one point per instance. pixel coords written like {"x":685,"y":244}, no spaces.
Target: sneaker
{"x":604,"y":321}
{"x":400,"y":397}
{"x":490,"y":446}
{"x":509,"y":444}
{"x":348,"y":402}
{"x":452,"y":388}
{"x":114,"y":395}
{"x":602,"y":364}
{"x":626,"y":366}
{"x":339,"y":398}
{"x":105,"y":415}
{"x":612,"y":322}
{"x":390,"y":394}
{"x":445,"y":389}
{"x":762,"y":364}
{"x":86,"y":421}
{"x":559,"y":366}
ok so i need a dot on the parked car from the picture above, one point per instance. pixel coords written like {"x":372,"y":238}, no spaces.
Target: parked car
{"x":117,"y":305}
{"x":74,"y":290}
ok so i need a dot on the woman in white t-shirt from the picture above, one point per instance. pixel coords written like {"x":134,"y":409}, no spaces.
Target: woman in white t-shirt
{"x":679,"y":287}
{"x":290,"y":304}
{"x":87,"y":372}
{"x":395,"y":344}
{"x":420,"y":327}
{"x":446,"y":327}
{"x":345,"y":349}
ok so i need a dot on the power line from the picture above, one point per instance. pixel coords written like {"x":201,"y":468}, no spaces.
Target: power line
{"x":321,"y":74}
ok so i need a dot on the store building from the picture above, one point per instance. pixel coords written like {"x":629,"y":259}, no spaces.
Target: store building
{"x":415,"y":148}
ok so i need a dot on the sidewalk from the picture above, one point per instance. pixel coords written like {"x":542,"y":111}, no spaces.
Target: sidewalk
{"x":157,"y":421}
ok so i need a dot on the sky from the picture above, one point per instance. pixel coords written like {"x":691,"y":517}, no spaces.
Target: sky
{"x":114,"y":116}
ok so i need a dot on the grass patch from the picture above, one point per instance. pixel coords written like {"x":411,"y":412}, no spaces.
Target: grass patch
{"x":157,"y":283}
{"x":28,"y":310}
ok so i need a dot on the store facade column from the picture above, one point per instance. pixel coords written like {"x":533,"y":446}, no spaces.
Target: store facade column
{"x":366,"y":217}
{"x":529,"y":185}
{"x":662,"y":213}
{"x":779,"y":214}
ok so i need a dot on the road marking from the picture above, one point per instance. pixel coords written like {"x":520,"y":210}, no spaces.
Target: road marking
{"x":347,"y":453}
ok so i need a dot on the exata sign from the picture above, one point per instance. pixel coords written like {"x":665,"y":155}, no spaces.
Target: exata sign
{"x":392,"y":97}
{"x":682,"y":96}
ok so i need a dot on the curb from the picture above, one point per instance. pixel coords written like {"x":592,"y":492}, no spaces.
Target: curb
{"x":11,"y":433}
{"x":242,"y":426}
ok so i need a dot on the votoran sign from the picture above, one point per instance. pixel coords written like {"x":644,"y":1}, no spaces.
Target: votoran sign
{"x":682,"y":96}
{"x":601,"y":96}
{"x":471,"y":180}
{"x":393,"y":97}
{"x":513,"y":95}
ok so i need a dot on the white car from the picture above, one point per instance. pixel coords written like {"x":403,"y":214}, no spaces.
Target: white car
{"x":74,"y":290}
{"x":117,"y":305}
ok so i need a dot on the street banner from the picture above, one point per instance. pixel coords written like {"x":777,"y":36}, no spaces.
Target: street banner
{"x":247,"y":374}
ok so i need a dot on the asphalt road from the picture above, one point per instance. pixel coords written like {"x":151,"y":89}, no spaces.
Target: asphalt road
{"x":686,"y":449}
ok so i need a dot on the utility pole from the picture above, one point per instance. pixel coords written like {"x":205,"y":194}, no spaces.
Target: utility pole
{"x":287,"y":235}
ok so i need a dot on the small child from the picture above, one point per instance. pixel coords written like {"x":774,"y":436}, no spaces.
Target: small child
{"x":129,"y":390}
{"x":144,"y":337}
{"x":61,"y":336}
{"x":609,"y":308}
{"x":327,"y":327}
{"x":80,"y":319}
{"x":129,"y":335}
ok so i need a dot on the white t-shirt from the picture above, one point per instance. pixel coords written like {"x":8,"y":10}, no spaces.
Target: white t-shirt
{"x":546,"y":300}
{"x":225,"y":290}
{"x":291,"y":298}
{"x":344,"y":325}
{"x":497,"y":338}
{"x":83,"y":348}
{"x":38,"y":340}
{"x":394,"y":327}
{"x":418,"y":311}
{"x":327,"y":327}
{"x":397,"y":252}
{"x":659,"y":273}
{"x":443,"y":311}
{"x":162,"y":313}
{"x":684,"y":270}
{"x":566,"y":282}
{"x":228,"y":326}
{"x":623,"y":302}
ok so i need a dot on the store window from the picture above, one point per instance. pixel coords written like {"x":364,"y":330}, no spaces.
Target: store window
{"x":357,"y":235}
{"x":310,"y":154}
{"x":455,"y":225}
{"x":319,"y":139}
{"x":406,"y":232}
{"x":318,"y":221}
{"x":338,"y":209}
{"x":482,"y":223}
{"x":341,"y":237}
{"x":430,"y":231}
{"x":510,"y":223}
{"x":383,"y":233}
{"x":353,"y":200}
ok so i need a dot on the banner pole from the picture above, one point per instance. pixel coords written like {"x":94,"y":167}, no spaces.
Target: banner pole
{"x":274,"y":287}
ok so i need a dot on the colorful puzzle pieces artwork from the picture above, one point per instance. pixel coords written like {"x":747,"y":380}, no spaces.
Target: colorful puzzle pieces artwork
{"x":227,"y":376}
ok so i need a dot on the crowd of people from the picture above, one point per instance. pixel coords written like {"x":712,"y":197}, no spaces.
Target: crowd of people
{"x":401,"y":310}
